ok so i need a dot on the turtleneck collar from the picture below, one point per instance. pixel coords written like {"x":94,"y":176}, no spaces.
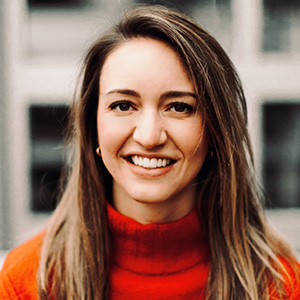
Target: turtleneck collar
{"x":157,"y":248}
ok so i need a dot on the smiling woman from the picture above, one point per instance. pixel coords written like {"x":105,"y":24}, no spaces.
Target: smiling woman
{"x":161,"y":200}
{"x":150,"y":133}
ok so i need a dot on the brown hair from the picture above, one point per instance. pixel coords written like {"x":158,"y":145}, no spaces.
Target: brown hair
{"x":244,"y":251}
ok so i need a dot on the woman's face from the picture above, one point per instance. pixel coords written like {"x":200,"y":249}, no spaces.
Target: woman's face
{"x":151,"y":136}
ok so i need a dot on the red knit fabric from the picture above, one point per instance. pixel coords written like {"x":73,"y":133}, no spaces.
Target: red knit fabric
{"x":18,"y":277}
{"x":158,"y":261}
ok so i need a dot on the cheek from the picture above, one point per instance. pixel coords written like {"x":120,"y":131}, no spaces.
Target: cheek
{"x":112,"y":134}
{"x":198,"y":153}
{"x":108,"y":145}
{"x":106,"y":136}
{"x":201,"y":148}
{"x":191,"y":138}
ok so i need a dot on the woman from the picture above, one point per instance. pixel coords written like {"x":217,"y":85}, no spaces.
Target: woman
{"x":161,"y":200}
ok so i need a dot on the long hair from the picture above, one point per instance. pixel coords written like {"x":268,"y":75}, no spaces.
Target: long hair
{"x":244,"y":251}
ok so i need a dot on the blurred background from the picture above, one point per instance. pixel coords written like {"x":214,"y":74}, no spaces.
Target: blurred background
{"x":41,"y":46}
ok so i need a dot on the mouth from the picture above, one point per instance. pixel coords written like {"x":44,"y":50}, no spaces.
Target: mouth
{"x":150,"y":163}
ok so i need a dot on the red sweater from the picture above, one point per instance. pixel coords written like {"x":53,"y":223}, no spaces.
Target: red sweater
{"x":19,"y":272}
{"x":156,"y":261}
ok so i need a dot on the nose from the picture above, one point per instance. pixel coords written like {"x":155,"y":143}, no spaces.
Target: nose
{"x":150,"y":131}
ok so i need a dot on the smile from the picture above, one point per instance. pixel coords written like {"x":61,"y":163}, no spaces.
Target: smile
{"x":150,"y":163}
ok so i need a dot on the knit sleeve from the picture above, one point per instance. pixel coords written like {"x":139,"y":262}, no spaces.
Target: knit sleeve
{"x":7,"y":291}
{"x":18,"y":277}
{"x":291,"y":276}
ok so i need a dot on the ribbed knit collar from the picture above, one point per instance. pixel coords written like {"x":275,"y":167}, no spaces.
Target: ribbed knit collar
{"x":157,"y":248}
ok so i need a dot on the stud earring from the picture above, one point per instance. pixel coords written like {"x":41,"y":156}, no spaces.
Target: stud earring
{"x":98,"y":151}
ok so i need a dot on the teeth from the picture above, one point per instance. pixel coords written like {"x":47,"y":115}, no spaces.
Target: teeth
{"x":153,"y":163}
{"x":146,"y":162}
{"x":140,"y":161}
{"x":135,"y":159}
{"x":159,"y":162}
{"x":150,"y":163}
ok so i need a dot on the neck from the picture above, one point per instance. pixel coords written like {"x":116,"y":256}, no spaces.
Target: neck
{"x":148,"y":213}
{"x":157,"y":211}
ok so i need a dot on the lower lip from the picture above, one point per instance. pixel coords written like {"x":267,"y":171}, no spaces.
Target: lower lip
{"x":149,"y":173}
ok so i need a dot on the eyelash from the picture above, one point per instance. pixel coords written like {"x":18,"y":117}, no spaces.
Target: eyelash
{"x":183,"y":107}
{"x":187,"y":109}
{"x":116,"y":105}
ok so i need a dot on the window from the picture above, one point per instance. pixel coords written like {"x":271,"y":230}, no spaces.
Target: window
{"x":281,"y":159}
{"x":281,"y":26}
{"x":47,"y":124}
{"x":55,"y":3}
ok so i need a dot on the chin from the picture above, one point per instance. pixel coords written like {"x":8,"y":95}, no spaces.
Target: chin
{"x":151,"y":197}
{"x":148,"y":199}
{"x":152,"y":202}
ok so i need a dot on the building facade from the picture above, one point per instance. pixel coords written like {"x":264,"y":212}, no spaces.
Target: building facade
{"x":42,"y":42}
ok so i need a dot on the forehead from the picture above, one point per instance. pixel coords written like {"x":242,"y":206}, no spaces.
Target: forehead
{"x":140,"y":43}
{"x":141,"y":49}
{"x":144,"y":59}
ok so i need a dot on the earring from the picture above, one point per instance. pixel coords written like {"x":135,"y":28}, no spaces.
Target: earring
{"x":98,"y":151}
{"x":211,"y":154}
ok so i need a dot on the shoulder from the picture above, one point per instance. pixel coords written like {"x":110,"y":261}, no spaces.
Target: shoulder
{"x":290,"y":272}
{"x":18,"y":277}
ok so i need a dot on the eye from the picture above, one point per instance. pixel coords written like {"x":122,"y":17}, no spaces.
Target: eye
{"x":122,"y":105}
{"x":180,"y":107}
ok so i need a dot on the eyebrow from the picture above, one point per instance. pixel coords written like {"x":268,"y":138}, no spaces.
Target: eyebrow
{"x":177,"y":94}
{"x":124,"y":92}
{"x":166,"y":95}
